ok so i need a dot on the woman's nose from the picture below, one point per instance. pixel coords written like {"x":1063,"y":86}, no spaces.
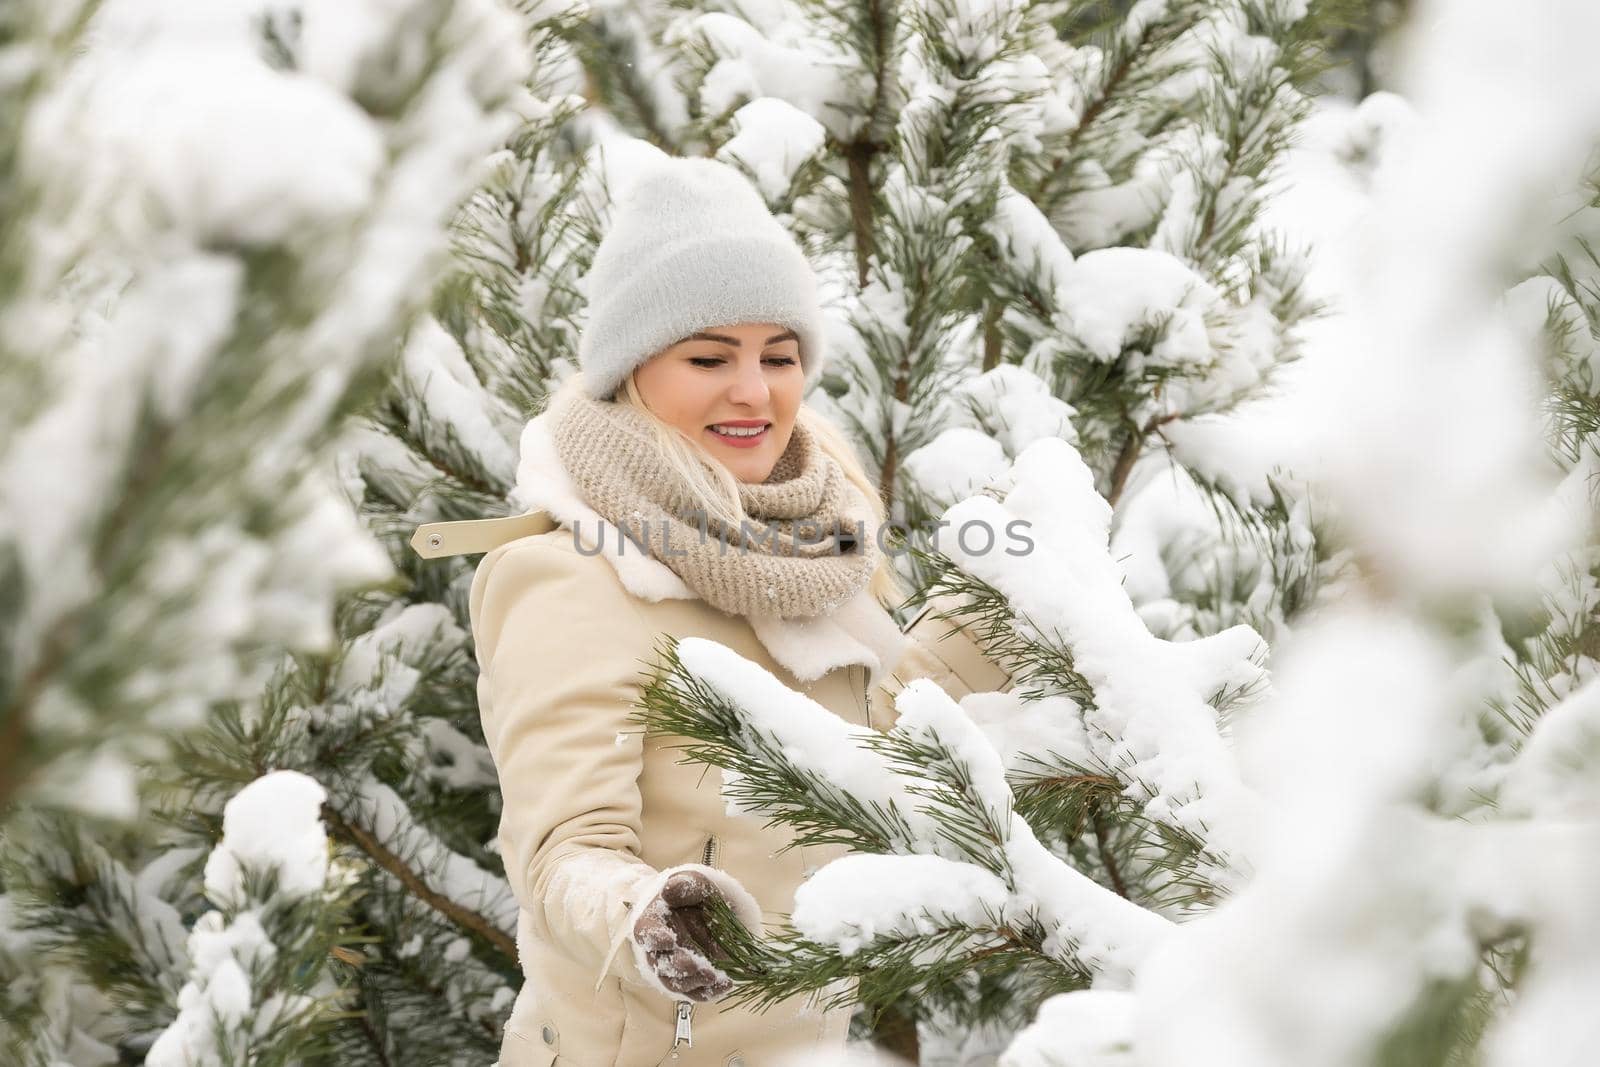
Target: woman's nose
{"x":750,"y":385}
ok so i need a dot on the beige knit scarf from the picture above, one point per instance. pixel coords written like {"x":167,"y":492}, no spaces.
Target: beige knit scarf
{"x":807,"y":546}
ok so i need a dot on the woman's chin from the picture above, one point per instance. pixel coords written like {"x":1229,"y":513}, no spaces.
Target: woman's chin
{"x":745,"y":467}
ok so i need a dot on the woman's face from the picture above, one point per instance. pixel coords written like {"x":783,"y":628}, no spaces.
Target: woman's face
{"x":731,"y":378}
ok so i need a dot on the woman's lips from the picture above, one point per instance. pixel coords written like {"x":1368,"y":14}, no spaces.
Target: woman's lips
{"x":746,"y":441}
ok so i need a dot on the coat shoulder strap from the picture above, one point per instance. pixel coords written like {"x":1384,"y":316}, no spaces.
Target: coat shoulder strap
{"x":466,"y":536}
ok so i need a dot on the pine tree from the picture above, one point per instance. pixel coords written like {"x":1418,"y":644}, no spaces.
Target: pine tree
{"x":189,"y":330}
{"x":1038,"y":222}
{"x":123,"y":571}
{"x":257,"y":984}
{"x":1397,"y":881}
{"x":952,"y":168}
{"x":1049,"y":285}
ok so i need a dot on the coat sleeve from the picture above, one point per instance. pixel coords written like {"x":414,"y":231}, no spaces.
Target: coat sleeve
{"x":937,"y":649}
{"x":557,"y":639}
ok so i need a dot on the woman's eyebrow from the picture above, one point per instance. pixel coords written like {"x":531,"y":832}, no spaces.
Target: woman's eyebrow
{"x":722,"y":338}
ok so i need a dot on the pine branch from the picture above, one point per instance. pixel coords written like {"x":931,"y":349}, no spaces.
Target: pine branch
{"x":1129,"y":454}
{"x":466,"y":919}
{"x":966,"y":819}
{"x":610,"y":64}
{"x":675,"y":702}
{"x":932,"y":971}
{"x":1038,"y":666}
{"x":87,"y":910}
{"x":1129,"y":72}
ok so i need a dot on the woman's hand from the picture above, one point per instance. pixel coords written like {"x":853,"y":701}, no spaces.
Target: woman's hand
{"x":672,"y":930}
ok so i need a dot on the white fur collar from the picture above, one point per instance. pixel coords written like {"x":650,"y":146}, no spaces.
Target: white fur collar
{"x":859,"y":631}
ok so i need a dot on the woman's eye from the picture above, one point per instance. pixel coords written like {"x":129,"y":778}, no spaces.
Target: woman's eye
{"x":715,"y":361}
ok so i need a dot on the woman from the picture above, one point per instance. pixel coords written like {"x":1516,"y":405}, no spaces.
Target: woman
{"x":685,"y":425}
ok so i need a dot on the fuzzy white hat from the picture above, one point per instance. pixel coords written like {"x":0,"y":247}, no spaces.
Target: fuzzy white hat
{"x":692,"y":246}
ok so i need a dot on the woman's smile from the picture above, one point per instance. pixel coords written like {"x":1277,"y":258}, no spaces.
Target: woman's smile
{"x":742,"y":433}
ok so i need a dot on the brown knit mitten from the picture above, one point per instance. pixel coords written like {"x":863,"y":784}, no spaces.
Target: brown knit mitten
{"x":672,"y":930}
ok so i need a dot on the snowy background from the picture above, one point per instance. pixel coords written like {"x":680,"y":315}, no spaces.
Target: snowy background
{"x":1277,"y":320}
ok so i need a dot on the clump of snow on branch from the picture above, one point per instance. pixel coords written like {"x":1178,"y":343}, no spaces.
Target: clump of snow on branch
{"x":1086,"y":924}
{"x":1151,"y":722}
{"x":1085,"y":921}
{"x":1111,"y":293}
{"x":1086,"y":1028}
{"x":773,"y":141}
{"x":273,"y":826}
{"x":806,"y":736}
{"x":855,"y":900}
{"x":992,"y":417}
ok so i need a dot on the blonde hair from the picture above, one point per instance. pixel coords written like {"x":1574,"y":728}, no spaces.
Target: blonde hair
{"x":718,"y":490}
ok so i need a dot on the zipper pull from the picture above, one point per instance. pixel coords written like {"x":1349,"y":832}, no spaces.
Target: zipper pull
{"x":685,"y":1013}
{"x":866,"y":695}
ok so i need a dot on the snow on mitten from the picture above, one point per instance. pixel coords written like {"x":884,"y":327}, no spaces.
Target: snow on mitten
{"x":678,"y":948}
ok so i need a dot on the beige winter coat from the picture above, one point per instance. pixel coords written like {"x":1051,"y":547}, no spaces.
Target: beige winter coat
{"x":594,"y":812}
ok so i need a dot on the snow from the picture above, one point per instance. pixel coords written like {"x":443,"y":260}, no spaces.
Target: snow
{"x":1151,"y":722}
{"x":1032,"y":106}
{"x":1050,"y":726}
{"x":957,"y":463}
{"x":169,"y":149}
{"x":154,"y":877}
{"x":929,"y":717}
{"x":1528,"y":304}
{"x":1432,"y":401}
{"x":273,"y":824}
{"x":1553,"y":774}
{"x":1330,"y":805}
{"x":1219,"y":41}
{"x":1321,"y":195}
{"x":214,"y":948}
{"x":1101,"y":211}
{"x":1088,"y":924}
{"x":1421,"y":417}
{"x":859,"y":899}
{"x":1025,"y":237}
{"x":389,"y":654}
{"x":1086,"y":1028}
{"x":457,"y":404}
{"x":1141,"y":15}
{"x":99,"y":782}
{"x":380,"y":811}
{"x":219,"y":1016}
{"x":455,"y":760}
{"x":773,"y":139}
{"x":1013,"y":406}
{"x":1111,"y":293}
{"x":1382,"y":897}
{"x":806,"y":735}
{"x":810,"y":74}
{"x":978,"y":29}
{"x":282,"y":151}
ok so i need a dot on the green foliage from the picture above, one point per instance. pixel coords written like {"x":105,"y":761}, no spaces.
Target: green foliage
{"x":971,"y":973}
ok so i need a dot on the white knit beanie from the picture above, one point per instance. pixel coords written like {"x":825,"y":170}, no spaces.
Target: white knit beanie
{"x":691,"y":246}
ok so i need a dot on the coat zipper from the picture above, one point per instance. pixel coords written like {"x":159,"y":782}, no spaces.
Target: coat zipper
{"x":866,"y":695}
{"x":684,"y":1034}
